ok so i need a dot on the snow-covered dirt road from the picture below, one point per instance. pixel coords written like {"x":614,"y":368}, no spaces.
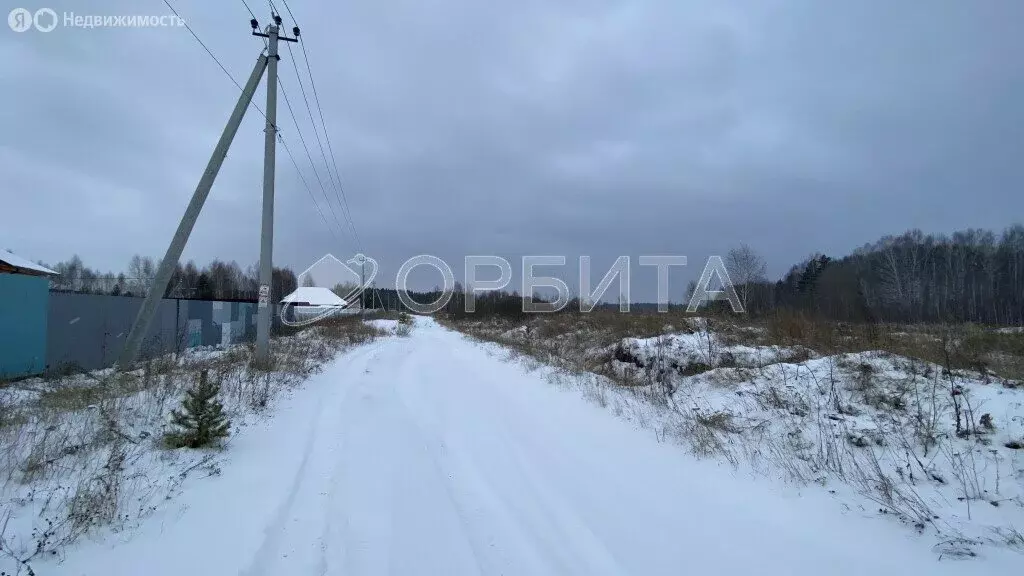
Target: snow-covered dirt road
{"x":427,"y":455}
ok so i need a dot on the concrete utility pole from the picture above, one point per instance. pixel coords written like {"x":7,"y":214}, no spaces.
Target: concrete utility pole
{"x":265,"y":311}
{"x":265,"y":308}
{"x":163,"y":276}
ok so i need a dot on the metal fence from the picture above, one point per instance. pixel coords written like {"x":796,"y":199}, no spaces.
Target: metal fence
{"x":87,"y":331}
{"x":23,"y":306}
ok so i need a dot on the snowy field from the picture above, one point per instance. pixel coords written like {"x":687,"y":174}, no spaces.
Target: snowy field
{"x":433,"y":454}
{"x":886,"y":425}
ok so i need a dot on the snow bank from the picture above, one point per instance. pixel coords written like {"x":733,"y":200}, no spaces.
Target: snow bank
{"x":700,"y":350}
{"x":385,"y":325}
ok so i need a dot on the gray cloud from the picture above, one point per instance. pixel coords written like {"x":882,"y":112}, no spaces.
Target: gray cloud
{"x":567,"y":127}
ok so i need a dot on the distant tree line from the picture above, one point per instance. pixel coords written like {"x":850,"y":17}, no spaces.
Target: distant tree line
{"x":971,"y":276}
{"x":491,"y":303}
{"x":219,"y":280}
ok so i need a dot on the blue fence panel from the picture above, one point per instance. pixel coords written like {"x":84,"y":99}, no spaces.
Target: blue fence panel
{"x":23,"y":310}
{"x":43,"y":330}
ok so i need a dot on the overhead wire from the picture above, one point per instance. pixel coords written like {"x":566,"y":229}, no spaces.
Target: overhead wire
{"x":319,"y":141}
{"x":327,"y":137}
{"x":309,"y":191}
{"x":251,"y":13}
{"x":312,"y":164}
{"x":205,"y":47}
{"x":342,"y":203}
{"x":262,"y":113}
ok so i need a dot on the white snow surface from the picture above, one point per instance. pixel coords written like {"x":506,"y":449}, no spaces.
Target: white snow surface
{"x":20,"y":262}
{"x":383,"y":324}
{"x":429,"y":455}
{"x":821,"y":417}
{"x":315,"y":296}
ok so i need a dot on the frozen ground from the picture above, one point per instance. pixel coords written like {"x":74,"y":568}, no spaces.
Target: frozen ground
{"x":430,"y":455}
{"x":940,"y":449}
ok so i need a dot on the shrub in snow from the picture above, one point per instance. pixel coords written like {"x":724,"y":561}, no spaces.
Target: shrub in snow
{"x":404,"y":324}
{"x":201,"y":419}
{"x":986,"y":422}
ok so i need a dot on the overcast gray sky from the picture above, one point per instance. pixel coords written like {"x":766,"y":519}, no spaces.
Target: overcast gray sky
{"x":569,"y":127}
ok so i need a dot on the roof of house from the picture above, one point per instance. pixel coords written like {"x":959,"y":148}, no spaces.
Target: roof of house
{"x":314,"y":296}
{"x":23,"y":265}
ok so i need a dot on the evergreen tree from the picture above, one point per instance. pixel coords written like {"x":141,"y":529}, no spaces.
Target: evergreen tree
{"x":204,"y":287}
{"x":201,"y":419}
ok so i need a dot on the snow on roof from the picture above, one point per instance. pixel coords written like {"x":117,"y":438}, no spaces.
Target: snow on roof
{"x":8,"y":257}
{"x":314,"y":296}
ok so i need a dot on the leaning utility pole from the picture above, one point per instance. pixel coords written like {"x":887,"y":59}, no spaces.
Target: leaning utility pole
{"x":265,"y":310}
{"x":143,"y":320}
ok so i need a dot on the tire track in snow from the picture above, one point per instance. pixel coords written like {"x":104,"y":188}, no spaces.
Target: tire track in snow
{"x":276,"y":531}
{"x":539,"y":508}
{"x":398,"y":517}
{"x":356,"y":414}
{"x":513,"y":544}
{"x":432,"y":438}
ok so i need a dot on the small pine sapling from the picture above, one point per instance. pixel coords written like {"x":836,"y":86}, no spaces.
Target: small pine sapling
{"x":201,"y":419}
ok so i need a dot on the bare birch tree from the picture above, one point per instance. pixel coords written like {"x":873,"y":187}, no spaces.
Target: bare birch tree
{"x":745,"y":267}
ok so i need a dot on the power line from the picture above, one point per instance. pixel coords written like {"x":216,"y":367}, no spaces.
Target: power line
{"x":312,"y":121}
{"x":201,"y":43}
{"x":309,"y":191}
{"x":312,"y":165}
{"x":274,"y":11}
{"x":330,"y":148}
{"x":289,"y":9}
{"x":339,"y":192}
{"x":251,"y":13}
{"x":253,"y":104}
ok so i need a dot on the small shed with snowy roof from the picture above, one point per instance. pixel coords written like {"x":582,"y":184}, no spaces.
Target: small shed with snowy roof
{"x":314,"y":296}
{"x":312,"y":302}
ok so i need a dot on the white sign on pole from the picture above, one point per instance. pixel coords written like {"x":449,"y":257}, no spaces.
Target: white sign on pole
{"x":264,"y":296}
